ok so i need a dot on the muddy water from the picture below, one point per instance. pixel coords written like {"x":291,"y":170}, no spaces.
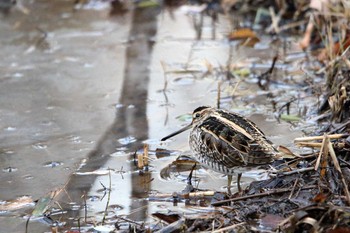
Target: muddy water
{"x":87,"y":95}
{"x":58,"y":94}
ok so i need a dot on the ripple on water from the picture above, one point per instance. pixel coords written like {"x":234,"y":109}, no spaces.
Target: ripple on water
{"x":117,"y":106}
{"x":152,"y":141}
{"x":115,"y":207}
{"x":53,"y":164}
{"x":74,"y":139}
{"x":39,"y":146}
{"x":118,"y":154}
{"x":94,"y":198}
{"x":107,"y":214}
{"x":9,"y":169}
{"x":122,"y":148}
{"x":28,"y":177}
{"x":9,"y":152}
{"x":74,"y":206}
{"x":10,"y":128}
{"x":127,"y":140}
{"x":185,"y":80}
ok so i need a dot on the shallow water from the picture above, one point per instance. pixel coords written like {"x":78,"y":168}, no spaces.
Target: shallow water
{"x":78,"y":103}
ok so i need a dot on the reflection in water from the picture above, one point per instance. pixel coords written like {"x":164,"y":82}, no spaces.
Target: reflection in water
{"x":118,"y":8}
{"x":131,"y":120}
{"x":6,"y":5}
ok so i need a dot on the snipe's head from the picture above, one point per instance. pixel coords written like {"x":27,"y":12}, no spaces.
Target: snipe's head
{"x":198,"y":116}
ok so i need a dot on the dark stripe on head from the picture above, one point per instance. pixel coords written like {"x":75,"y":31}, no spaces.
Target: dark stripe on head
{"x":200,"y":108}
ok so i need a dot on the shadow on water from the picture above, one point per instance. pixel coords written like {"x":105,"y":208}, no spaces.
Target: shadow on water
{"x":131,"y":119}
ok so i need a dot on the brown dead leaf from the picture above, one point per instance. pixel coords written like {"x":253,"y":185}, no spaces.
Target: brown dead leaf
{"x":286,"y":152}
{"x":337,"y":49}
{"x":320,"y":198}
{"x":340,"y":230}
{"x":169,"y":218}
{"x":246,"y":35}
{"x":305,"y":42}
{"x":243,"y":33}
{"x":270,"y":221}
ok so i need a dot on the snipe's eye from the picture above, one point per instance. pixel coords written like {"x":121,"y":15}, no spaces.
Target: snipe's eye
{"x":197,"y":115}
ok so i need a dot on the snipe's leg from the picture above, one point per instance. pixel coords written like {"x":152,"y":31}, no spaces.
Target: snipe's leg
{"x":229,"y":180}
{"x":239,"y":175}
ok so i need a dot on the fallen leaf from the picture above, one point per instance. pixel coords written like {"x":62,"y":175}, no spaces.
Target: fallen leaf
{"x":246,"y":35}
{"x":320,"y":198}
{"x":169,"y":218}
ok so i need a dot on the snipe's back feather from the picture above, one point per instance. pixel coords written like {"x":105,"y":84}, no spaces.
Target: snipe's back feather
{"x":223,"y":140}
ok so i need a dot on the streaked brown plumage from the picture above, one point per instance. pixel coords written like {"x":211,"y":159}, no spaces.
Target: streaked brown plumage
{"x":227,"y":142}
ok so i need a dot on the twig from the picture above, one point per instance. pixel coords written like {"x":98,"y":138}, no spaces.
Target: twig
{"x":298,"y":171}
{"x":266,"y":75}
{"x":108,"y":197}
{"x":334,"y":61}
{"x":331,"y":136}
{"x":287,"y":106}
{"x":309,"y":144}
{"x":337,"y":167}
{"x":267,"y":193}
{"x":164,"y":75}
{"x":322,"y":150}
{"x":343,"y":161}
{"x":140,"y":163}
{"x":85,"y":207}
{"x":218,"y":96}
{"x":340,"y":126}
{"x":235,"y":87}
{"x":317,"y":144}
{"x":275,"y":19}
{"x":292,"y":25}
{"x":79,"y":227}
{"x":145,"y":155}
{"x":187,"y":195}
{"x":227,"y":229}
{"x":293,"y":189}
{"x":229,"y":61}
{"x":130,"y":221}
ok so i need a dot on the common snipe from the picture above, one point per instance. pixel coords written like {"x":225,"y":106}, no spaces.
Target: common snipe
{"x":227,"y":142}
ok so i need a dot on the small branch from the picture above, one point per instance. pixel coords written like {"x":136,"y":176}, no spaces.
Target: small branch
{"x":267,"y":193}
{"x":219,"y":95}
{"x":145,"y":155}
{"x":309,"y":144}
{"x":322,"y":150}
{"x":298,"y":171}
{"x":85,"y":207}
{"x":227,"y":229}
{"x":275,"y":20}
{"x":293,"y":189}
{"x":108,"y":197}
{"x":331,"y":136}
{"x":337,"y":167}
{"x":187,"y":195}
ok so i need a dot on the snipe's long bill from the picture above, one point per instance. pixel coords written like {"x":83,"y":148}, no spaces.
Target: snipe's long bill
{"x":227,"y":142}
{"x":177,"y":132}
